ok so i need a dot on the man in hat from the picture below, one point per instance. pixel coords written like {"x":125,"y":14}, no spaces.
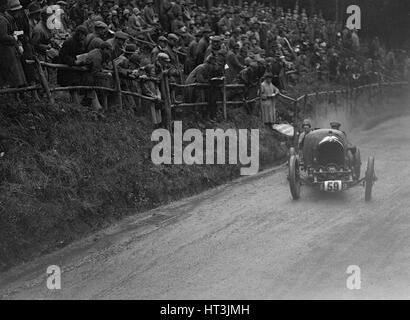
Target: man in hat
{"x":268,"y":103}
{"x":233,"y":63}
{"x":160,"y":47}
{"x":96,"y":60}
{"x":202,"y":46}
{"x":191,"y":57}
{"x":123,"y":61}
{"x":214,"y":47}
{"x":225,"y":23}
{"x":170,"y":49}
{"x":79,"y":12}
{"x":72,"y":47}
{"x":177,"y":23}
{"x":150,"y":88}
{"x":126,"y":69}
{"x":11,"y":69}
{"x":42,"y":38}
{"x":117,"y":43}
{"x":249,"y":77}
{"x":234,"y":39}
{"x":95,"y":39}
{"x":307,"y":128}
{"x":148,"y":13}
{"x":201,"y":74}
{"x":134,"y":24}
{"x":22,"y":24}
{"x":34,"y":10}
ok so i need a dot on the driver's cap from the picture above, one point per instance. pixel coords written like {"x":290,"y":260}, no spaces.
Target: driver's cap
{"x":335,"y":125}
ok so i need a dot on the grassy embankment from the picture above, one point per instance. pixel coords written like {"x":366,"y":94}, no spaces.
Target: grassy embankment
{"x":68,"y":172}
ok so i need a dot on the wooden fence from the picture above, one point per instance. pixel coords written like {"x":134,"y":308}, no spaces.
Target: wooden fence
{"x":167,"y":91}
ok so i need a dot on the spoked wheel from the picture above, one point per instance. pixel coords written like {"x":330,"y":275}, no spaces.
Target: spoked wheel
{"x":357,"y":164}
{"x":294,"y":177}
{"x":370,"y":177}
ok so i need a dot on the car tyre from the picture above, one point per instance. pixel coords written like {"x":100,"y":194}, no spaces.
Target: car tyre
{"x":294,"y":177}
{"x":369,"y":179}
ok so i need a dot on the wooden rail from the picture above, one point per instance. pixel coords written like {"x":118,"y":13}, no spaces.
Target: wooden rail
{"x":166,"y":88}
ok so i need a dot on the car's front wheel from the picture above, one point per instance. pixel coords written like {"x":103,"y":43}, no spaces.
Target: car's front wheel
{"x":294,"y":177}
{"x":369,"y":179}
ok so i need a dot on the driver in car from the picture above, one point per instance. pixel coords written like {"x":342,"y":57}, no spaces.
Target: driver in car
{"x":307,"y":128}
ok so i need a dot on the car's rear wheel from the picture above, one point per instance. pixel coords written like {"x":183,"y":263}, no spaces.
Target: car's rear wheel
{"x":369,"y":179}
{"x":294,"y":177}
{"x":357,"y":163}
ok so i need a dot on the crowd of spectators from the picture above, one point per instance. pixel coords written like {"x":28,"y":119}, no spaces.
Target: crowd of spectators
{"x":191,"y":44}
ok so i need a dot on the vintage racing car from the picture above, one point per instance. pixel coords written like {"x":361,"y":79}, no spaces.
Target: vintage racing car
{"x":328,"y":162}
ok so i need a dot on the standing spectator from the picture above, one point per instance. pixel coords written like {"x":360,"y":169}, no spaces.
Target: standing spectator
{"x":268,"y":103}
{"x":12,"y":73}
{"x":148,"y":13}
{"x":117,"y":43}
{"x":151,"y":89}
{"x":42,"y":37}
{"x":234,"y":65}
{"x":23,"y":24}
{"x":72,"y":47}
{"x":95,"y":60}
{"x":95,"y":39}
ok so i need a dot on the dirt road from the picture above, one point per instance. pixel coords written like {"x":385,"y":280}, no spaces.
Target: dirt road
{"x":249,"y":240}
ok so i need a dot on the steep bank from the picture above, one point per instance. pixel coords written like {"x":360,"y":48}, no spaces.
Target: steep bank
{"x":68,"y":171}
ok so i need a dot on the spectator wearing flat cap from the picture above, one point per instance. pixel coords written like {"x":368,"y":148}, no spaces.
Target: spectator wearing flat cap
{"x":117,"y":43}
{"x":160,"y":47}
{"x":12,"y":73}
{"x":95,"y":39}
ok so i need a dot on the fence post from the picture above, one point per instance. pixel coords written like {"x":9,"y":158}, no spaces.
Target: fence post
{"x":165,"y":93}
{"x":224,"y":98}
{"x":117,"y":84}
{"x":295,"y":110}
{"x":305,"y":104}
{"x":44,"y":81}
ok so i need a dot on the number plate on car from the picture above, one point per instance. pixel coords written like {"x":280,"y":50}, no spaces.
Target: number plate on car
{"x":333,"y":186}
